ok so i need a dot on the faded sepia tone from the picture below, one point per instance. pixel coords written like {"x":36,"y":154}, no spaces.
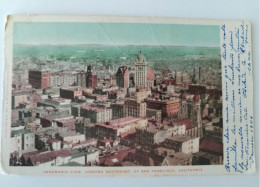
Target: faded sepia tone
{"x":146,"y":95}
{"x":116,"y":94}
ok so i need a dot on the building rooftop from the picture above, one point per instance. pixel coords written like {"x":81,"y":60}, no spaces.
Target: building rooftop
{"x":211,"y":146}
{"x":94,"y":109}
{"x":177,"y":158}
{"x":49,"y":156}
{"x":181,"y":138}
{"x":54,"y":116}
{"x":121,"y":122}
{"x":19,"y":132}
{"x":188,"y":124}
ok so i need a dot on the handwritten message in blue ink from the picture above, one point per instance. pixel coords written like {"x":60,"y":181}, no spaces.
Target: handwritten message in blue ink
{"x":238,"y":128}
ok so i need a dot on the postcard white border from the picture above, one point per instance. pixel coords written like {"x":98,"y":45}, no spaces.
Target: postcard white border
{"x":187,"y":170}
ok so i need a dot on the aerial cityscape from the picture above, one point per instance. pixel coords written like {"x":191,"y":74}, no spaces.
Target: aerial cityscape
{"x":110,"y":105}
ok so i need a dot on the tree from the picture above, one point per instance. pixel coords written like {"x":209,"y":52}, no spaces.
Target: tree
{"x":39,"y":144}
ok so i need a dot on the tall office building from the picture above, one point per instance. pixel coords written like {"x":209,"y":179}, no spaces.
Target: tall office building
{"x":140,"y":71}
{"x":122,"y":77}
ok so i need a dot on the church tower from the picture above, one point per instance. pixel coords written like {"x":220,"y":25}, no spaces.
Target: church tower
{"x":140,"y":71}
{"x":183,"y":108}
{"x":196,"y":112}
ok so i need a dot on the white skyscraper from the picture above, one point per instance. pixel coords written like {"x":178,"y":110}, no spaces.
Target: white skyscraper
{"x":140,"y":71}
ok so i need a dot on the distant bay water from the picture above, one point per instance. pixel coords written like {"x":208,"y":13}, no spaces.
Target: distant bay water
{"x":109,"y":52}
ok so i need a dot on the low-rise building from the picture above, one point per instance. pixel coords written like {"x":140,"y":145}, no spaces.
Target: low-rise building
{"x":52,"y":158}
{"x":59,"y":103}
{"x":51,"y":119}
{"x":97,"y":97}
{"x":177,"y":159}
{"x":115,"y":128}
{"x":84,"y":158}
{"x":71,"y":137}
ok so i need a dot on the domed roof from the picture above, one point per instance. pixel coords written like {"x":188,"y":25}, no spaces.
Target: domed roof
{"x":183,"y":96}
{"x":196,"y":98}
{"x":140,"y":57}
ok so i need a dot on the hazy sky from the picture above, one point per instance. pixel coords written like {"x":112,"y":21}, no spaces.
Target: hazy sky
{"x":116,"y":33}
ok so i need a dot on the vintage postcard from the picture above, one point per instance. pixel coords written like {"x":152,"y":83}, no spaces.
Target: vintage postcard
{"x":127,"y":96}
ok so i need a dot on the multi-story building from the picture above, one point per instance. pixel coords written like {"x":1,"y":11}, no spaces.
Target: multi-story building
{"x":140,"y":71}
{"x":178,"y":78}
{"x":112,"y":80}
{"x":196,"y":111}
{"x":59,"y":103}
{"x":119,"y":127}
{"x":81,"y":79}
{"x":182,"y":143}
{"x":18,"y":97}
{"x":183,"y":108}
{"x":122,"y":77}
{"x":62,"y":79}
{"x":150,"y":77}
{"x":168,"y":107}
{"x":97,"y":97}
{"x":70,"y":93}
{"x":185,"y":78}
{"x":22,"y":140}
{"x":91,"y":79}
{"x":95,"y":114}
{"x":39,"y":79}
{"x":117,"y":110}
{"x":134,"y":108}
{"x":157,"y":114}
{"x":51,"y":119}
{"x":153,"y":134}
{"x":177,"y":159}
{"x":52,"y":158}
{"x":142,"y":93}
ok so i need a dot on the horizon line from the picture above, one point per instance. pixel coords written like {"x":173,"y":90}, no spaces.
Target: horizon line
{"x":92,"y":44}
